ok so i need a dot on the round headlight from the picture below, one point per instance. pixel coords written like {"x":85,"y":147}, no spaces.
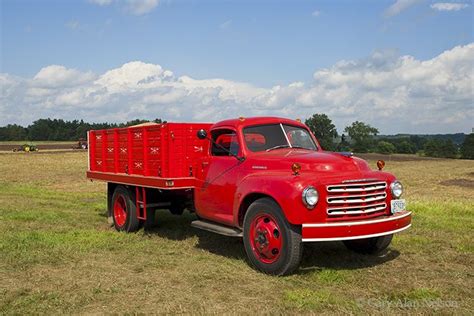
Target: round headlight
{"x":397,"y":189}
{"x":310,"y":197}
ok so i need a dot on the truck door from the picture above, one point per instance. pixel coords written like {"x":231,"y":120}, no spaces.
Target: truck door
{"x":221,"y":171}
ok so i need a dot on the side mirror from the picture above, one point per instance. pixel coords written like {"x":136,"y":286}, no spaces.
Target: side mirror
{"x":202,"y":134}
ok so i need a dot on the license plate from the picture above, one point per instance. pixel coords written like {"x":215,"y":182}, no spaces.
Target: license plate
{"x":397,"y":206}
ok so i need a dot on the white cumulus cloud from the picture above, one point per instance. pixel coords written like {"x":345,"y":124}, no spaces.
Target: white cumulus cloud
{"x":392,"y":92}
{"x":73,"y":24}
{"x":449,"y":6}
{"x":135,"y":7}
{"x":56,"y":76}
{"x":101,"y":2}
{"x":225,"y":25}
{"x":141,"y":7}
{"x":398,"y":6}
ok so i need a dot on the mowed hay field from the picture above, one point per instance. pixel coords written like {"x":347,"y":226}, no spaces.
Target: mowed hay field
{"x":59,"y":255}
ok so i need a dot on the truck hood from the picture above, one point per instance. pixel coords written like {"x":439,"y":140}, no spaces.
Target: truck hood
{"x":316,"y":161}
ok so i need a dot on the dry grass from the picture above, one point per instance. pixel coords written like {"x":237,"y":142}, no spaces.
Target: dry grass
{"x":58,"y":255}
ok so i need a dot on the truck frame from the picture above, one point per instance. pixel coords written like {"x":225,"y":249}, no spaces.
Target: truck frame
{"x":263,"y":179}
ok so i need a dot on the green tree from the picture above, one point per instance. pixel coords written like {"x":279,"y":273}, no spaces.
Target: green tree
{"x":324,"y":130}
{"x":13,"y":132}
{"x":344,"y":144}
{"x":58,"y":129}
{"x":41,"y":130}
{"x":448,"y":149}
{"x":440,"y":148}
{"x":385,"y":147}
{"x":405,"y":147}
{"x":431,"y":148}
{"x":418,"y":142}
{"x":467,"y":147}
{"x":362,"y":135}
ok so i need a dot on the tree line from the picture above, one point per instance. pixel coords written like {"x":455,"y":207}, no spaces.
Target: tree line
{"x":362,"y":138}
{"x":358,"y":137}
{"x":58,"y":129}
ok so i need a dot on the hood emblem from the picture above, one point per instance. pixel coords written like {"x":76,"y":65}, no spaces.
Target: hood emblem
{"x":358,"y":180}
{"x":347,"y":154}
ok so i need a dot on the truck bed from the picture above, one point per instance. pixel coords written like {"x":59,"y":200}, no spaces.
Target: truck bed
{"x":157,"y":155}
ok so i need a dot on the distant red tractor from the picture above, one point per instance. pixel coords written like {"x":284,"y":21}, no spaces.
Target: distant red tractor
{"x":81,"y":144}
{"x":263,"y":179}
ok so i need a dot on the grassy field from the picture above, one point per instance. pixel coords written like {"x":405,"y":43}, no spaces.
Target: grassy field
{"x":59,"y":255}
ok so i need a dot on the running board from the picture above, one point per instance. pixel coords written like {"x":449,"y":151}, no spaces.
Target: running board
{"x":217,"y":228}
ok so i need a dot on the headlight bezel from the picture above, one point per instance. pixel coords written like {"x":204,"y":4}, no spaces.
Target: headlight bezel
{"x":304,"y":196}
{"x":396,"y":185}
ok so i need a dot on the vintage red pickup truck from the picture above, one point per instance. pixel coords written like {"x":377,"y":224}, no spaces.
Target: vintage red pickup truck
{"x":264,"y":179}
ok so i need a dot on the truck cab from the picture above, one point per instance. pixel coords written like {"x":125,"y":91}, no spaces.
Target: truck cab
{"x":268,"y":181}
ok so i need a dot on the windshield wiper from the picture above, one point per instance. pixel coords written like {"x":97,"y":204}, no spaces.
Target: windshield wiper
{"x":278,"y":146}
{"x":301,"y":147}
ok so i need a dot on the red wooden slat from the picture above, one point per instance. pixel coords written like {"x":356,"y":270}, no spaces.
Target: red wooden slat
{"x":168,"y":150}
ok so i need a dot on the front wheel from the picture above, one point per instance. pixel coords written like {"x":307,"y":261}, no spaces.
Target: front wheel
{"x":373,"y":245}
{"x":272,"y":244}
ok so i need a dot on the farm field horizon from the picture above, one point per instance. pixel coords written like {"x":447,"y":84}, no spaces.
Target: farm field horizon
{"x":6,"y":147}
{"x":59,"y":254}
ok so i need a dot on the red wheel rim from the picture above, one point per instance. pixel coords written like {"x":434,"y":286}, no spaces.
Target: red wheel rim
{"x":265,"y":238}
{"x":120,"y":210}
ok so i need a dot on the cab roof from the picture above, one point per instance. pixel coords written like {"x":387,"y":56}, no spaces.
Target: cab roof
{"x":259,"y":120}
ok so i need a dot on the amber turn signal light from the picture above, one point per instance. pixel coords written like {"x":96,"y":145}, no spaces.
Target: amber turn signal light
{"x":380,"y":164}
{"x":296,"y":167}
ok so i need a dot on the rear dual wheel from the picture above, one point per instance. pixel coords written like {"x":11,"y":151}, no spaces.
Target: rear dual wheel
{"x":124,"y":210}
{"x":272,"y":244}
{"x":177,"y":208}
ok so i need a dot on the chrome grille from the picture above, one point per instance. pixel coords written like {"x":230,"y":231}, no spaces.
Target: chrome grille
{"x":357,"y":187}
{"x":349,"y":200}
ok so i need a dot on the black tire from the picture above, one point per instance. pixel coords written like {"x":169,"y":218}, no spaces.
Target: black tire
{"x":177,"y":208}
{"x":129,"y":223}
{"x":150,"y":219}
{"x":289,"y":237}
{"x":373,"y":245}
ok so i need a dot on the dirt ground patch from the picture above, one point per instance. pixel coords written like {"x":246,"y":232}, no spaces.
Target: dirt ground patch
{"x":395,"y":157}
{"x":42,"y":152}
{"x":10,"y":147}
{"x":466,"y":183}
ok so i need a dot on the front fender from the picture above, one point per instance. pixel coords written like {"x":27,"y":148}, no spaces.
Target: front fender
{"x":285,"y":189}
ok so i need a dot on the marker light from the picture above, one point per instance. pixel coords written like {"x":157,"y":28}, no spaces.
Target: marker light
{"x":380,"y":164}
{"x":296,"y":167}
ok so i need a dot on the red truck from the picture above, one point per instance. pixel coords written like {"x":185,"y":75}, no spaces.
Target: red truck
{"x":264,"y":179}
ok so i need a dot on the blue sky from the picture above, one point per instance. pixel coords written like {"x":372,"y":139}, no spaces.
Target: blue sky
{"x":262,"y":44}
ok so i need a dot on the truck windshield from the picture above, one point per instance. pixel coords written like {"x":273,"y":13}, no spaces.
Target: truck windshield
{"x":275,"y":136}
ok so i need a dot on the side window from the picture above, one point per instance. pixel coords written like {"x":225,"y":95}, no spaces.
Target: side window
{"x":225,"y":139}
